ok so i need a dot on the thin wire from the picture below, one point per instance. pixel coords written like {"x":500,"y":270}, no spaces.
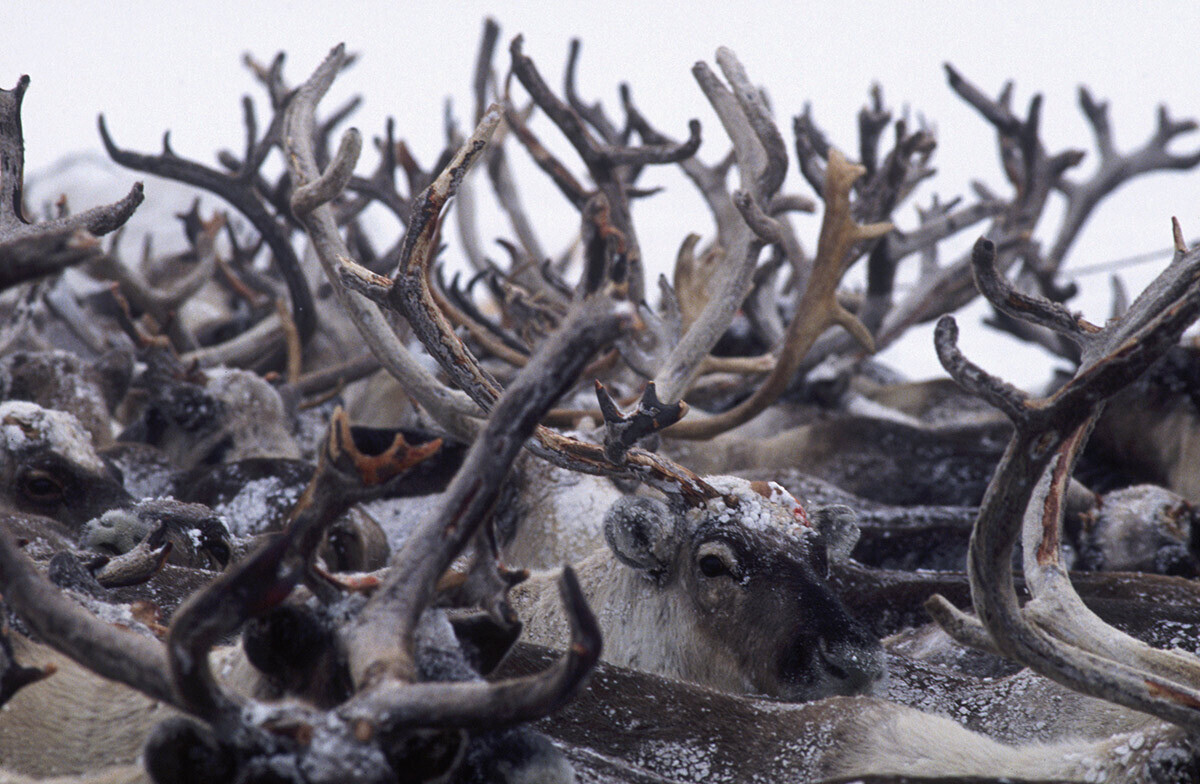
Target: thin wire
{"x":1128,"y":261}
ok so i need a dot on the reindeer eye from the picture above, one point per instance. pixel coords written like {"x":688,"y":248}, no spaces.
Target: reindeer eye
{"x":712,"y":566}
{"x":41,"y":486}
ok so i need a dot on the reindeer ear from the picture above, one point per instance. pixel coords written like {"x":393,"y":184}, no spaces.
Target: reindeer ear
{"x":838,"y":526}
{"x":115,"y":368}
{"x":641,"y":532}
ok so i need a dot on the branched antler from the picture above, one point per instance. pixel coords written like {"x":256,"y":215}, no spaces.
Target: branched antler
{"x":818,"y":306}
{"x":1115,"y":169}
{"x":31,"y":250}
{"x":1054,"y":633}
{"x":607,"y":163}
{"x":1033,"y":172}
{"x":452,"y":410}
{"x":239,"y":189}
{"x":762,"y":165}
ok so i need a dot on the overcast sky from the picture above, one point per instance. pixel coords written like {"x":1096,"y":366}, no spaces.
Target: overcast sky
{"x":153,"y":66}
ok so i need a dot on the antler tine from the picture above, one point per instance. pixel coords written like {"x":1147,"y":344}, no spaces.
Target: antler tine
{"x":380,"y":643}
{"x":1168,"y":287}
{"x":559,"y":174}
{"x":812,"y":148}
{"x":123,"y":656}
{"x":452,"y":409}
{"x":1054,"y":634}
{"x":818,"y":306}
{"x":1030,"y":308}
{"x":1115,"y":169}
{"x":872,"y":120}
{"x":594,"y":114}
{"x":744,"y":223}
{"x":344,"y":476}
{"x":480,"y":705}
{"x":460,"y":309}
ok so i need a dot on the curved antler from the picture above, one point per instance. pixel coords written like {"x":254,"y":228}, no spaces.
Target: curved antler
{"x":1054,"y":633}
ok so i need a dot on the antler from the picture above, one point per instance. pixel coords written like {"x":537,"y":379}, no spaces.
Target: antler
{"x":1115,"y":169}
{"x":28,"y":250}
{"x":239,"y":189}
{"x":314,"y":189}
{"x":410,"y":295}
{"x":608,"y":164}
{"x":1054,"y":633}
{"x":762,"y":165}
{"x":818,"y":306}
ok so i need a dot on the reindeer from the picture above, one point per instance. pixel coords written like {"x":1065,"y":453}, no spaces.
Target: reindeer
{"x":730,"y":597}
{"x":48,"y":466}
{"x":388,"y":715}
{"x":239,"y":734}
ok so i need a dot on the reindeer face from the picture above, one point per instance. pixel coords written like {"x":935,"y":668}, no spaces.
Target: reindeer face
{"x":49,"y":467}
{"x":746,"y":575}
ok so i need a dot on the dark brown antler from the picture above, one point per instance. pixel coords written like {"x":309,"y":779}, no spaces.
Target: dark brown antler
{"x":1115,"y":169}
{"x":240,"y":189}
{"x":1054,"y":633}
{"x":607,"y":163}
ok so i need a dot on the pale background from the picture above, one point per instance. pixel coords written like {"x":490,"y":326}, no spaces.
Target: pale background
{"x":153,"y":66}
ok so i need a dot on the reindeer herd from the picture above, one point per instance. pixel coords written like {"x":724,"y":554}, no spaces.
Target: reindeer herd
{"x":292,"y":506}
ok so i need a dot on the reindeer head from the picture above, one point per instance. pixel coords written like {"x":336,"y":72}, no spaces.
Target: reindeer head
{"x":49,"y":467}
{"x":743,"y":576}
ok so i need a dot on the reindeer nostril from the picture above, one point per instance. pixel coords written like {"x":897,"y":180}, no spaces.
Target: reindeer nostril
{"x":852,"y":671}
{"x":829,"y":660}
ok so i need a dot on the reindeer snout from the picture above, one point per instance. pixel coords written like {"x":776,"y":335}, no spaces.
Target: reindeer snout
{"x":852,"y":668}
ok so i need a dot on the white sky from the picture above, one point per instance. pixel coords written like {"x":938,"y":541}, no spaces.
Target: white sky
{"x":153,"y":66}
